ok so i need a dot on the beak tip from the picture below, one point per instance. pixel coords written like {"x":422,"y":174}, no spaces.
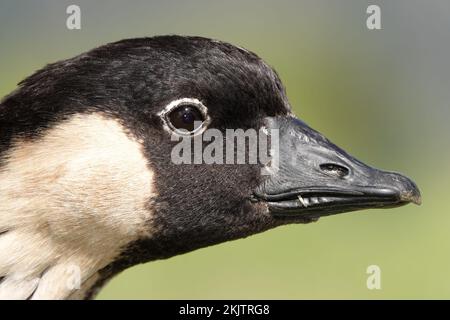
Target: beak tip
{"x":417,"y":200}
{"x":413,"y":196}
{"x":407,"y":188}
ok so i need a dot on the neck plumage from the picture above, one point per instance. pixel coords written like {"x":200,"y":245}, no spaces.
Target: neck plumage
{"x":35,"y":267}
{"x":70,"y":202}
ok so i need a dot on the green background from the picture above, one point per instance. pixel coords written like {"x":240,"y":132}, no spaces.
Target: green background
{"x":382,"y":95}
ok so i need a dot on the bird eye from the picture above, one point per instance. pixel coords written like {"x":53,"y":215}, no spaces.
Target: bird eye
{"x":185,"y":116}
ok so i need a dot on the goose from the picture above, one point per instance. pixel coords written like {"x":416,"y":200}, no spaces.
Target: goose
{"x":88,"y":187}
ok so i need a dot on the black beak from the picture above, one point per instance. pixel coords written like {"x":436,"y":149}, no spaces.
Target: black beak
{"x":315,"y":178}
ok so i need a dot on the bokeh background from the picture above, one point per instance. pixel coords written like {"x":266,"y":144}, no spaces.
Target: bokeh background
{"x":382,"y":95}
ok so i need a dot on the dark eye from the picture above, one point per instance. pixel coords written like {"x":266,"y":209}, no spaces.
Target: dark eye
{"x":187,"y":117}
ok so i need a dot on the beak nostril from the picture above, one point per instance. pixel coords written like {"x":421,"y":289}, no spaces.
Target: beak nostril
{"x":334,"y":169}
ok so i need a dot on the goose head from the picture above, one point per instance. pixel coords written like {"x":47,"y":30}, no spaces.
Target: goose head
{"x":97,"y":174}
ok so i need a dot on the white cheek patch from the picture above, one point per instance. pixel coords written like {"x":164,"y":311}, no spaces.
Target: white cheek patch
{"x":76,"y":196}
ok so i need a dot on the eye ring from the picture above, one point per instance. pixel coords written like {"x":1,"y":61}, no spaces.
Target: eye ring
{"x":185,"y":102}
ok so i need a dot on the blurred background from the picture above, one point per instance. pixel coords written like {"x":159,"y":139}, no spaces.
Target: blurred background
{"x":383,"y":95}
